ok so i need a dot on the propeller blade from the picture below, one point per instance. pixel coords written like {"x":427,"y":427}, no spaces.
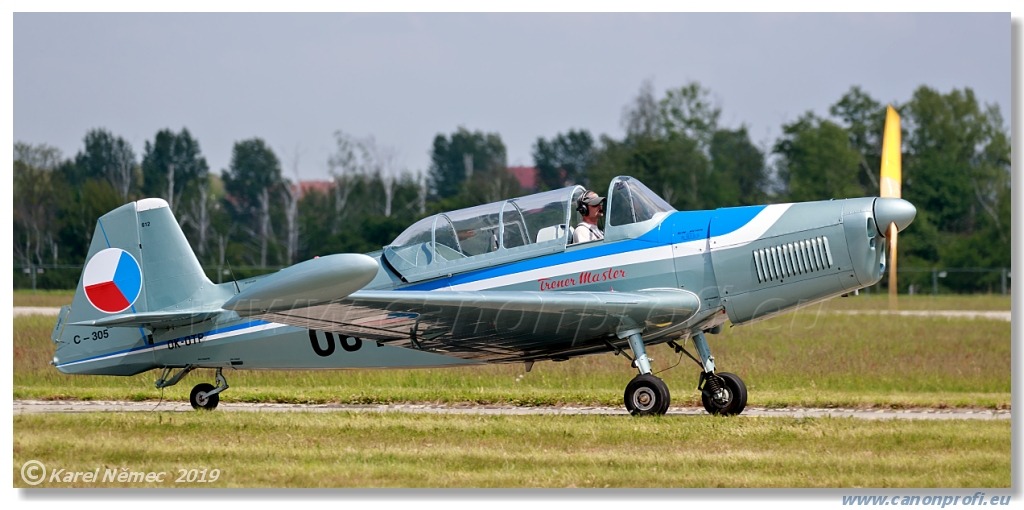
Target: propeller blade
{"x":892,"y":170}
{"x":890,"y":186}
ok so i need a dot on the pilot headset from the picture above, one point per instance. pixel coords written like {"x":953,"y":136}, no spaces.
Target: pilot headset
{"x":583,"y":203}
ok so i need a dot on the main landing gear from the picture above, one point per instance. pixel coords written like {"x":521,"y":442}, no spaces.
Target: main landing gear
{"x":204,"y":395}
{"x":721,"y":393}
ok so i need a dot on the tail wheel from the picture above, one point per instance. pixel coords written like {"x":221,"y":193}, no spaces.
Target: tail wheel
{"x":724,"y":394}
{"x":646,"y":395}
{"x":201,"y":398}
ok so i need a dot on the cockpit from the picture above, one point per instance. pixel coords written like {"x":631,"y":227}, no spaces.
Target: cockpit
{"x":515,"y":229}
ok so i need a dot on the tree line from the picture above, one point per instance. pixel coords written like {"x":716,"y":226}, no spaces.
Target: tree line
{"x":250,"y":217}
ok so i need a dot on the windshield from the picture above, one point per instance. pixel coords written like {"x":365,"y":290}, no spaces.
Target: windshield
{"x":632,"y":202}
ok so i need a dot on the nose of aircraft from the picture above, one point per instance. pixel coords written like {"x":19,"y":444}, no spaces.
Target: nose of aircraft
{"x":893,"y":210}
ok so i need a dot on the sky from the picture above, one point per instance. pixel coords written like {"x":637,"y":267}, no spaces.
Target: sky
{"x":404,"y":78}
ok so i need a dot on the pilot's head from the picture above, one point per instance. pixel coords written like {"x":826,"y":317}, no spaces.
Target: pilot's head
{"x":588,"y":200}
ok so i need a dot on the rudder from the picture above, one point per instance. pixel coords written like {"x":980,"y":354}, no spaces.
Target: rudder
{"x":139,"y":261}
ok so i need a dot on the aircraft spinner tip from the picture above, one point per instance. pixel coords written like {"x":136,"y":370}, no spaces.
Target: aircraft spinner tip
{"x":893,"y":210}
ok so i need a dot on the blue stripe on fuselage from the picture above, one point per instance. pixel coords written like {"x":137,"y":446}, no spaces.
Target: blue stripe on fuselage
{"x":733,"y":218}
{"x":678,"y":227}
{"x":226,"y":329}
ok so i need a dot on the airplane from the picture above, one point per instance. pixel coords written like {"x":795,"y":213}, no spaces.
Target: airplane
{"x":495,"y":283}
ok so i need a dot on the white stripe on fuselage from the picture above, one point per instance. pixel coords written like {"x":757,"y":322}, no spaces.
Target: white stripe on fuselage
{"x":164,"y":345}
{"x":746,"y":234}
{"x":753,"y":230}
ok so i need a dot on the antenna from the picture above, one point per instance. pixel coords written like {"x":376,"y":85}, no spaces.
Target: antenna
{"x":233,"y":279}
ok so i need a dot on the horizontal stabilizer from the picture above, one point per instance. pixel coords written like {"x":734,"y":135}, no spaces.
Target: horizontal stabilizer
{"x":309,"y":283}
{"x":152,"y":320}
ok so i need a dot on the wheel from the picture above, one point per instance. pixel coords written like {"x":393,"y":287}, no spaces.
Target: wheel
{"x":646,"y":395}
{"x":202,"y":399}
{"x":729,"y":398}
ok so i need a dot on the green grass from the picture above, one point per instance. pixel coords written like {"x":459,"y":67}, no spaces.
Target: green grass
{"x":416,"y":450}
{"x":44,"y":298}
{"x":880,"y":301}
{"x":808,"y":358}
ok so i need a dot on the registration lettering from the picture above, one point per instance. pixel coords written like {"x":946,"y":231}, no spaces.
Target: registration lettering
{"x":185,"y":341}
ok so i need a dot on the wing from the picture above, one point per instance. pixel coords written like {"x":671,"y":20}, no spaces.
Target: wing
{"x":496,"y":325}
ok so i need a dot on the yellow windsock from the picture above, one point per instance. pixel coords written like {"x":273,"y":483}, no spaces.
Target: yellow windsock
{"x":889,"y":186}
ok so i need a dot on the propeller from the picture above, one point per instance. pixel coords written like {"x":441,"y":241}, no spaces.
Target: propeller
{"x":889,"y":187}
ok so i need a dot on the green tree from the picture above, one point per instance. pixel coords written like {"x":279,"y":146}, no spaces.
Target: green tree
{"x":102,"y":176}
{"x":673,"y":168}
{"x":111,"y":158}
{"x":816,"y":160}
{"x":252,"y":182}
{"x":365,"y":227}
{"x":688,"y":111}
{"x":565,"y":159}
{"x":960,"y":158}
{"x":370,"y":201}
{"x":81,"y":204}
{"x":957,"y":172}
{"x":173,"y":168}
{"x":355,"y":158}
{"x":456,"y":158}
{"x":864,"y":120}
{"x":35,"y":204}
{"x":739,"y":175}
{"x":664,"y":145}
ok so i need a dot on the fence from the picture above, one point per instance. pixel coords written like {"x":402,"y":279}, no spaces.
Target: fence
{"x":911,"y":280}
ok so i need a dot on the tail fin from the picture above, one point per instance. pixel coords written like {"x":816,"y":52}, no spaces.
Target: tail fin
{"x":140,"y":272}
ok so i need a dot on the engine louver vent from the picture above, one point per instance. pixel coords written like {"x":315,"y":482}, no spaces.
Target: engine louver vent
{"x":791,"y":259}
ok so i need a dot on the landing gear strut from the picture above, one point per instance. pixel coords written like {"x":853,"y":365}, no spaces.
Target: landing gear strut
{"x":646,"y":394}
{"x":204,"y":395}
{"x":722,"y":393}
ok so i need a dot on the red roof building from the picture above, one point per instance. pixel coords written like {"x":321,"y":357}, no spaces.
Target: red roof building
{"x":526,"y":175}
{"x":304,"y":187}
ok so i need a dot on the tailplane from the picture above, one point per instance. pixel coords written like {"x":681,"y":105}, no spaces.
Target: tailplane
{"x":140,"y":273}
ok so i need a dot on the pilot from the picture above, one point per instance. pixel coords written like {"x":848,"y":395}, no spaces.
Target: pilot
{"x":591,"y":208}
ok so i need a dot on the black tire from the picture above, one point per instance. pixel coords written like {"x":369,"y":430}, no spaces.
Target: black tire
{"x":646,"y":395}
{"x":201,"y":399}
{"x":734,"y":396}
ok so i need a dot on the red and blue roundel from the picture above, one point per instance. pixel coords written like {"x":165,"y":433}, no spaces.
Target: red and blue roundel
{"x":112,"y":280}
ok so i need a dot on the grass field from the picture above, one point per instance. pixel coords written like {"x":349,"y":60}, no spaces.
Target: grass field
{"x":808,"y":358}
{"x":416,"y":450}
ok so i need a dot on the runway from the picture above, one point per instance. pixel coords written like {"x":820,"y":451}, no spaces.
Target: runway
{"x":41,"y":406}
